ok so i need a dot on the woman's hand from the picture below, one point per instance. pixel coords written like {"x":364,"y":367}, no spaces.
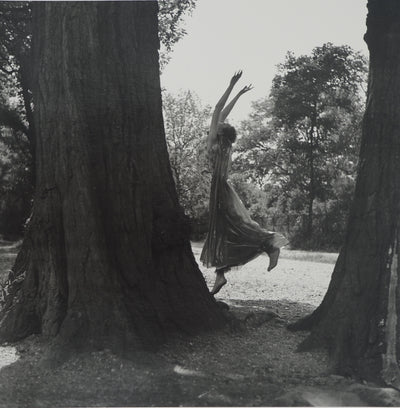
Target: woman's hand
{"x":236,"y":77}
{"x":227,"y":109}
{"x":247,"y":88}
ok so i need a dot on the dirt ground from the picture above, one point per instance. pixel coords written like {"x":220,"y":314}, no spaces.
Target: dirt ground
{"x":255,"y":366}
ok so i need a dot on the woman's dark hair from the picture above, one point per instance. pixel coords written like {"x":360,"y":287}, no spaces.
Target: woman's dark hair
{"x":227,"y":132}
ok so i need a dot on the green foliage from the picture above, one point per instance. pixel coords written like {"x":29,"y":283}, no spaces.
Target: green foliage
{"x":170,"y":24}
{"x":186,"y":122}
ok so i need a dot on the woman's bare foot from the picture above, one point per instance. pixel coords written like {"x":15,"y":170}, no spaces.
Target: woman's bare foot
{"x":219,"y":282}
{"x":273,"y":258}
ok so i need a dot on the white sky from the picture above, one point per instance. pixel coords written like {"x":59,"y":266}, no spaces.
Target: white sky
{"x":254,"y":35}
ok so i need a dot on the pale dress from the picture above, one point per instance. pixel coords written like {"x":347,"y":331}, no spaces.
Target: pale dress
{"x":233,"y":238}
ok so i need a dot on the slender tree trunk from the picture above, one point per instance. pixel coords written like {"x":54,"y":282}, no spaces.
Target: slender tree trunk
{"x":310,"y":216}
{"x":107,"y":258}
{"x":358,"y":318}
{"x":311,"y":192}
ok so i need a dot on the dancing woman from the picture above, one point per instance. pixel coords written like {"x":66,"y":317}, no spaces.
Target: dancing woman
{"x":233,"y":238}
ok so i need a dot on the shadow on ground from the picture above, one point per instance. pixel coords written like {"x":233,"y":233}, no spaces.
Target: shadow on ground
{"x":255,"y":364}
{"x":252,"y":363}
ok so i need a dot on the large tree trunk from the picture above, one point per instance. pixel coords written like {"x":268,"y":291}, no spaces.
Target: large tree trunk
{"x":358,"y":318}
{"x":107,"y":257}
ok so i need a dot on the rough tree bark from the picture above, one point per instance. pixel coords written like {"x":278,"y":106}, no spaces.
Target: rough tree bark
{"x":358,"y":318}
{"x":107,"y":259}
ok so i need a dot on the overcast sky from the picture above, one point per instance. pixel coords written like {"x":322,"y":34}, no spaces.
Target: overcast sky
{"x":255,"y":35}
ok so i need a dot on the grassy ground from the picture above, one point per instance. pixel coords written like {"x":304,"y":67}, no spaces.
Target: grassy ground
{"x":321,"y":257}
{"x":255,"y":366}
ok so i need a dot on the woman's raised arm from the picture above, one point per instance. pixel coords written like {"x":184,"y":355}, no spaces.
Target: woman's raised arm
{"x":227,"y":110}
{"x":216,"y":117}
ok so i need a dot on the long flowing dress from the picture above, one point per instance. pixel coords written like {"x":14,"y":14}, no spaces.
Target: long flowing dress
{"x":233,"y":238}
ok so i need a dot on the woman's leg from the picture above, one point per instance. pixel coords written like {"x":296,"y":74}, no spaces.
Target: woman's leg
{"x":273,"y":253}
{"x":273,"y":258}
{"x":219,"y":280}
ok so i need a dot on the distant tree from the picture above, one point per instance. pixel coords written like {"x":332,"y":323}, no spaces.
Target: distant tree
{"x":312,"y":96}
{"x":256,"y":147}
{"x":106,"y":260}
{"x":186,"y":123}
{"x":358,"y":319}
{"x":303,"y":140}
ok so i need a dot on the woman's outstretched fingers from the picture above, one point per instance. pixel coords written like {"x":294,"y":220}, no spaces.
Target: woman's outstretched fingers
{"x":247,"y":88}
{"x":236,"y":77}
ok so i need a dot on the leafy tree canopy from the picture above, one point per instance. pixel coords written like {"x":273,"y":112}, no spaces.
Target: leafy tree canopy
{"x":302,"y":141}
{"x":309,"y":88}
{"x":170,"y":25}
